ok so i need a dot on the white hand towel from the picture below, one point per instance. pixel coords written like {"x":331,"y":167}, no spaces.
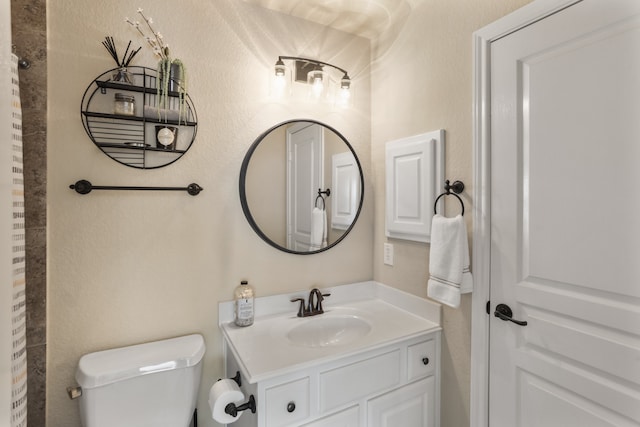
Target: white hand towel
{"x":324,"y":228}
{"x":318,"y":238}
{"x":449,"y":274}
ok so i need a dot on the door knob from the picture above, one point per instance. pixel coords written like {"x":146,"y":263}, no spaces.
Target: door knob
{"x":504,"y":312}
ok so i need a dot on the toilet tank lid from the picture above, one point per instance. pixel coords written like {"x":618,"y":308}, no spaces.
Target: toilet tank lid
{"x":109,"y":366}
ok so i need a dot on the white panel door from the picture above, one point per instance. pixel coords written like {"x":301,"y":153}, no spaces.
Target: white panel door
{"x":305,"y":175}
{"x":565,"y":219}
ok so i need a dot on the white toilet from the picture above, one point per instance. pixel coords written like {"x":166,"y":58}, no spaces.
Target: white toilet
{"x":146,"y":385}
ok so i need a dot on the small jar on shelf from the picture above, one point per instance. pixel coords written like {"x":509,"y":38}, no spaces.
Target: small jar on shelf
{"x":124,"y":105}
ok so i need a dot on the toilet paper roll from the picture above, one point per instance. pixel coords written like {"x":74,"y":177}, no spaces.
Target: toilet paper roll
{"x":222,"y":393}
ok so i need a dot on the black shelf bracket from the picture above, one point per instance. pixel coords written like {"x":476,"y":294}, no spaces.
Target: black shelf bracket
{"x":85,"y":187}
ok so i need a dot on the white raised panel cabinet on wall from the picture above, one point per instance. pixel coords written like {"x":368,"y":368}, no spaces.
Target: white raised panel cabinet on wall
{"x":414,"y":178}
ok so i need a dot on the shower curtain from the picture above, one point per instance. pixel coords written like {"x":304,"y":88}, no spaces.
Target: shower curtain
{"x":18,"y":309}
{"x":13,"y":354}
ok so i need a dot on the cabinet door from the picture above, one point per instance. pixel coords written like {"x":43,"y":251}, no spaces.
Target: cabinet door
{"x":411,"y":406}
{"x":414,"y":178}
{"x":347,"y":418}
{"x":345,"y":190}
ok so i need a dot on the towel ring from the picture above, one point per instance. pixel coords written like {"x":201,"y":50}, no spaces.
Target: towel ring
{"x":457,"y":187}
{"x":327,"y":192}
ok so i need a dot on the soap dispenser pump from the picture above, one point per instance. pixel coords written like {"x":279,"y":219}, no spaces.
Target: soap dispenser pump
{"x":243,"y":306}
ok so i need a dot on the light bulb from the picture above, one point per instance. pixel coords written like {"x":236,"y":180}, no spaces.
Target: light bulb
{"x":318,"y":86}
{"x":344,"y":94}
{"x":316,"y":80}
{"x":279,"y":80}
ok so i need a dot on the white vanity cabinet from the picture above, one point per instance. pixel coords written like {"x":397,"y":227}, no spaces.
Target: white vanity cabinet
{"x":372,"y":358}
{"x":394,"y":385}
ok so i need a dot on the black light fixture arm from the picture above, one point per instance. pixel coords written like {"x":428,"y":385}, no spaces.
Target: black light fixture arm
{"x":312,"y":61}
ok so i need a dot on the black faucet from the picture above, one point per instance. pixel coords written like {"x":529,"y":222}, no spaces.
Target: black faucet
{"x":311,"y":309}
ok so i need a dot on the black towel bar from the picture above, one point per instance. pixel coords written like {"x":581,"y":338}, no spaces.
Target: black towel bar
{"x":85,"y":187}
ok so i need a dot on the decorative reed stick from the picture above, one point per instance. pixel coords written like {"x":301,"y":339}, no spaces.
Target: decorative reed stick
{"x":110,"y":45}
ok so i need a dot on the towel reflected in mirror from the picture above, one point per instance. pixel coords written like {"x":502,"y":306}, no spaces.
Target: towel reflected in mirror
{"x":318,"y":229}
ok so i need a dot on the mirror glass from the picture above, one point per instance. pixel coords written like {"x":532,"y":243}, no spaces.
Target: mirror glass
{"x":301,"y":186}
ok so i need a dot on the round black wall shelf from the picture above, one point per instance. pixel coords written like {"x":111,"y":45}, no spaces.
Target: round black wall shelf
{"x":153,"y":132}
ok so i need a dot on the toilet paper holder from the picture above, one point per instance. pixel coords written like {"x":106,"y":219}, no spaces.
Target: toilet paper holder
{"x":233,"y":410}
{"x":237,"y":379}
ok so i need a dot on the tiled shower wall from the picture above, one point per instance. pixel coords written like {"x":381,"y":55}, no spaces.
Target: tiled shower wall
{"x":29,"y":34}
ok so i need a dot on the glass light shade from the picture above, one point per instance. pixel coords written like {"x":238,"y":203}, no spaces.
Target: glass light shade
{"x":280,"y":78}
{"x":319,"y":83}
{"x":344,"y":97}
{"x":344,"y":92}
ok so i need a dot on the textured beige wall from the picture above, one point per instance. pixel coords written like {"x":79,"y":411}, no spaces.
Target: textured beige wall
{"x":422,"y":81}
{"x":266,"y":186}
{"x":129,"y":267}
{"x":126,"y":267}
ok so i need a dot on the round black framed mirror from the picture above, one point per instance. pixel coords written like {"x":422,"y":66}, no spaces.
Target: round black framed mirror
{"x":301,"y":186}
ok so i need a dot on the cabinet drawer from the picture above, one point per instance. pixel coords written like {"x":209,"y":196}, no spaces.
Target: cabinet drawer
{"x":357,"y":380}
{"x":287,"y":403}
{"x":421,"y":359}
{"x":347,"y":418}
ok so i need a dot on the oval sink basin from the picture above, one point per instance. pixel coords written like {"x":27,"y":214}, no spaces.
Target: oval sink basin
{"x":329,"y":331}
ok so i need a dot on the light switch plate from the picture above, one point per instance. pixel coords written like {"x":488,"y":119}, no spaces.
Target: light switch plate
{"x":388,"y":253}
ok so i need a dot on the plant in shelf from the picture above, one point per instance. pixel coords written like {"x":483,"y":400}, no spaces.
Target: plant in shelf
{"x":171,"y":73}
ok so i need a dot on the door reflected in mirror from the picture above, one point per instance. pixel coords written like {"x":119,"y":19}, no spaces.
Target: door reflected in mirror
{"x":301,"y":186}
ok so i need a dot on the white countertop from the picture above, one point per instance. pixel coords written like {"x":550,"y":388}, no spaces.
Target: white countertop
{"x":264,"y":351}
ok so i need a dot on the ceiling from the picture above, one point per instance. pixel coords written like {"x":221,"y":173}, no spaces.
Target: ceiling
{"x":366,"y":18}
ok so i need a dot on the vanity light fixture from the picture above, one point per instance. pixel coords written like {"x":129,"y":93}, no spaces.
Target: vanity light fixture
{"x":322,"y":85}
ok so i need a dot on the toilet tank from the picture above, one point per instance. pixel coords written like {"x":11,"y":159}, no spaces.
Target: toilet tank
{"x":145,"y":385}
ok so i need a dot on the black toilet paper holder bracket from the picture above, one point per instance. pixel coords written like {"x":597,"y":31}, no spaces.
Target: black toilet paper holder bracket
{"x":233,"y":410}
{"x":237,"y":379}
